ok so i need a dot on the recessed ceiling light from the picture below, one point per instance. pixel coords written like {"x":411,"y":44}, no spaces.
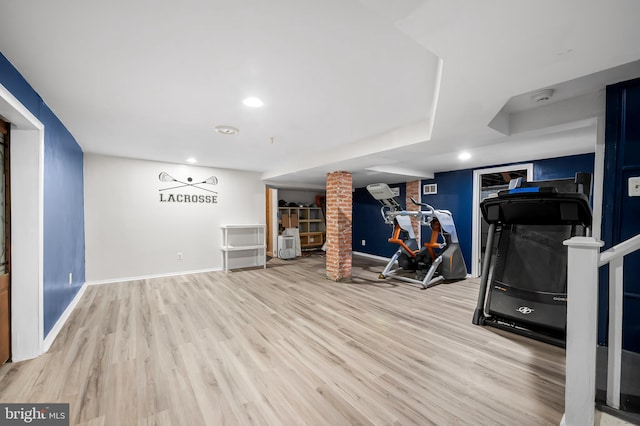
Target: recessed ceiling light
{"x":191,"y":160}
{"x":464,"y":155}
{"x":227,"y":130}
{"x":253,"y":102}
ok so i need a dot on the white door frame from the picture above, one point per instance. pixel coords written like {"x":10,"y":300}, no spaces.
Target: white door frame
{"x":476,"y":218}
{"x":27,"y":213}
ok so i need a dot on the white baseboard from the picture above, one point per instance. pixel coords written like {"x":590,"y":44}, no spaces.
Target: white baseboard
{"x":372,"y":256}
{"x":147,"y":277}
{"x":48,"y":341}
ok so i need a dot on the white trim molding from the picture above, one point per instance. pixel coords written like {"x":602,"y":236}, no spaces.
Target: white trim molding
{"x":51,"y":337}
{"x":27,"y":227}
{"x":371,"y":256}
{"x":148,"y":277}
{"x":475,"y":215}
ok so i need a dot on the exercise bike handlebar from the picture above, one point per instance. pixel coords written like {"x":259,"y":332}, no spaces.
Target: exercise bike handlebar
{"x":423,"y":216}
{"x":425,"y":205}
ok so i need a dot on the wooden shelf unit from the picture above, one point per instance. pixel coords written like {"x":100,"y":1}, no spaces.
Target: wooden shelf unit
{"x":308,"y":220}
{"x":243,"y":246}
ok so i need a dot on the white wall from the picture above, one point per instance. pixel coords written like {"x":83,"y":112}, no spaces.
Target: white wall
{"x":130,"y":233}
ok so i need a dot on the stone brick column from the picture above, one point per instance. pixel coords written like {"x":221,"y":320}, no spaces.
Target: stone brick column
{"x":413,"y":190}
{"x":339,"y":220}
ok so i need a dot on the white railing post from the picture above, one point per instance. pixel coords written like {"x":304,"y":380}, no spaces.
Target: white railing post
{"x":614,"y":359}
{"x":582,"y":322}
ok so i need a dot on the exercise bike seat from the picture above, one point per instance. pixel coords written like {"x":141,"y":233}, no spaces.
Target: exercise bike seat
{"x":409,"y":244}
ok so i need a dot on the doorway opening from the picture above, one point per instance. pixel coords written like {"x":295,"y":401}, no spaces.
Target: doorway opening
{"x":485,"y":183}
{"x":27,"y":227}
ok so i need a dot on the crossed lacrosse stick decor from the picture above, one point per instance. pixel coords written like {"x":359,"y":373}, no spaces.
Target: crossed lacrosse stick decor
{"x":166,"y":177}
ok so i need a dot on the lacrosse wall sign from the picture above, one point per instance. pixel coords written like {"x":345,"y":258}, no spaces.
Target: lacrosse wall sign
{"x":207,"y":196}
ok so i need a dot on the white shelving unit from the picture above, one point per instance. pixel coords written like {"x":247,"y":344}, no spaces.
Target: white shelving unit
{"x":243,"y":246}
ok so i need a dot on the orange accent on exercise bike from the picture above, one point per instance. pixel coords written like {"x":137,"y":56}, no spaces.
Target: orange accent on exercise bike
{"x":396,"y":240}
{"x":435,"y":233}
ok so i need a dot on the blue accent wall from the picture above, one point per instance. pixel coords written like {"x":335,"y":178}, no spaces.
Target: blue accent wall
{"x":621,"y":212}
{"x":63,"y":200}
{"x":455,"y":193}
{"x":369,"y":225}
{"x":562,"y":167}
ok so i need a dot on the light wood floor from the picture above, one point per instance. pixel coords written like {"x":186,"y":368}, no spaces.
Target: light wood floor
{"x":285,"y":346}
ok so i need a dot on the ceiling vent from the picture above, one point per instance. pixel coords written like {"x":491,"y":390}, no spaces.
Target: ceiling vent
{"x":543,"y":95}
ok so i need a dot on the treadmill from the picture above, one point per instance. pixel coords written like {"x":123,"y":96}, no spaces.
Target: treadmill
{"x":523,"y":288}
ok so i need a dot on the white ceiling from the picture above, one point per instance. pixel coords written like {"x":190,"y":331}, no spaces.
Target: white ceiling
{"x":390,"y":90}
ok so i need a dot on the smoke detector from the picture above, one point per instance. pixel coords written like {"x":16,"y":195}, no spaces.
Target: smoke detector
{"x":543,"y":95}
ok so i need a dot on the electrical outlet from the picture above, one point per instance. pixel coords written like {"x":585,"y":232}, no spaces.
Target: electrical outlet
{"x":70,"y":278}
{"x":634,"y":187}
{"x":179,"y":255}
{"x":363,"y":243}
